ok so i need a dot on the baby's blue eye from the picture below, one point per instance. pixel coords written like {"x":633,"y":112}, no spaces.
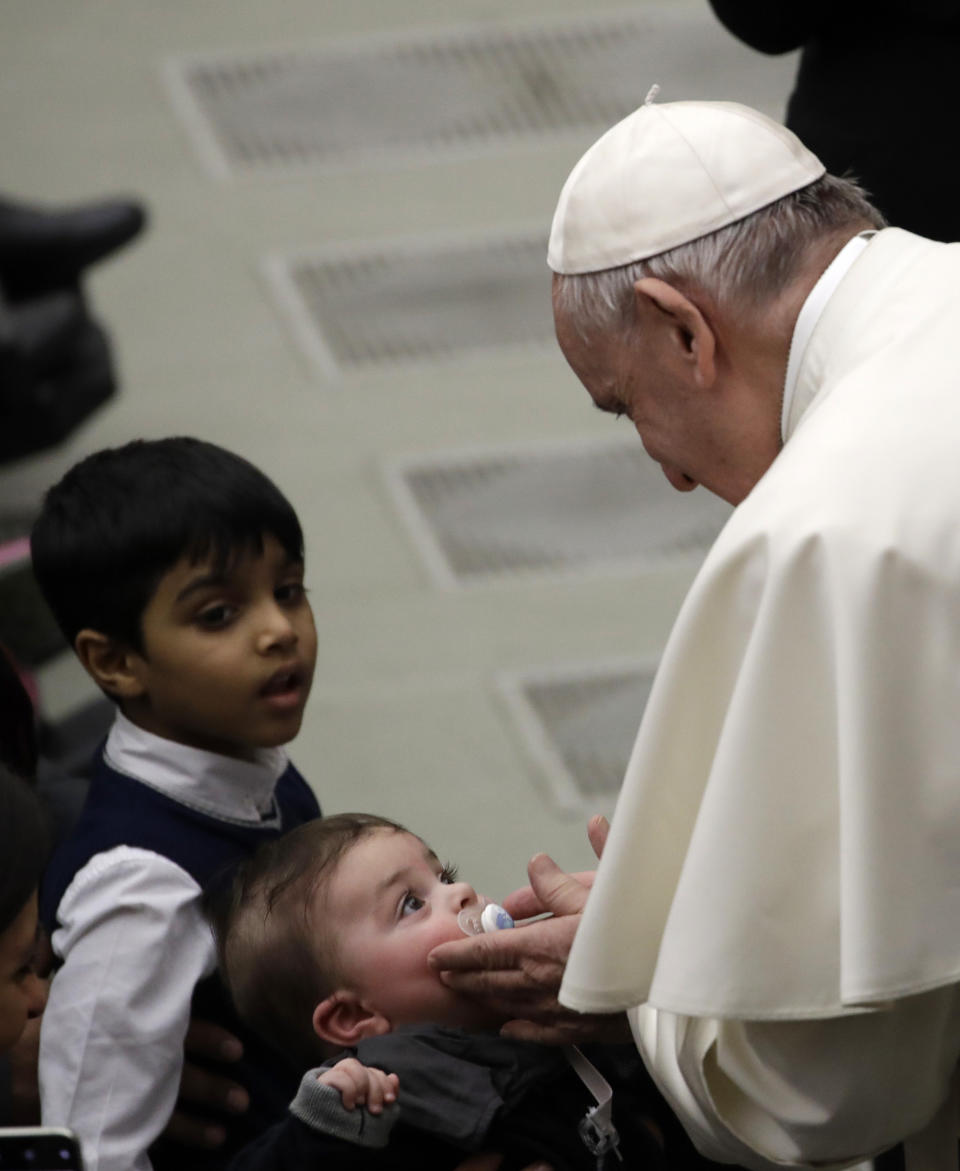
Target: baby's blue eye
{"x":411,"y":903}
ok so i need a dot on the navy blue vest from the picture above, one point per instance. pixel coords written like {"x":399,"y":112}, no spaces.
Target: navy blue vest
{"x":120,"y":811}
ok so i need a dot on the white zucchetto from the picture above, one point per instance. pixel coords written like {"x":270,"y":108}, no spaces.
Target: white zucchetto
{"x":668,"y":174}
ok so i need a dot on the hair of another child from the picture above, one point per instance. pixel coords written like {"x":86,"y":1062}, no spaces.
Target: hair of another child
{"x":24,"y":844}
{"x":18,"y":736}
{"x":275,"y":957}
{"x":121,"y":518}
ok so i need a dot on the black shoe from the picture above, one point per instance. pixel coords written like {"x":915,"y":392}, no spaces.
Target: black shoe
{"x":43,"y":250}
{"x":55,"y":369}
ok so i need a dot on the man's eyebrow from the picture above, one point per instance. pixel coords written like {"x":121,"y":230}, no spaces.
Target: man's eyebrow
{"x":204,"y":582}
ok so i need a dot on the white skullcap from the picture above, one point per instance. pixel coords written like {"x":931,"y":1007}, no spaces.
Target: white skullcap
{"x":668,"y":174}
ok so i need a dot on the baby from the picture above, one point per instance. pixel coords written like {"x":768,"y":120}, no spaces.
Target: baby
{"x":323,"y":941}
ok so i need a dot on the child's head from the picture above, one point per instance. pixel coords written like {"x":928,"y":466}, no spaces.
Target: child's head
{"x":327,"y":930}
{"x":175,"y":570}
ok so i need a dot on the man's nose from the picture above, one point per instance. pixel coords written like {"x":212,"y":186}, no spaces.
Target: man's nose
{"x":679,"y":480}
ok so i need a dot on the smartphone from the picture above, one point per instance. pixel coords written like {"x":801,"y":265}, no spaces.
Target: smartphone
{"x":39,"y":1148}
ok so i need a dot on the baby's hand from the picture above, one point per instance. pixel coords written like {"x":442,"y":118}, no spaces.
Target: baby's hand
{"x":360,"y":1085}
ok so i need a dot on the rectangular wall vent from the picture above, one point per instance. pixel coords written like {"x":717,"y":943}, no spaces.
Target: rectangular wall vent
{"x":404,"y":95}
{"x":578,"y":727}
{"x":368,"y":306}
{"x":554,"y":509}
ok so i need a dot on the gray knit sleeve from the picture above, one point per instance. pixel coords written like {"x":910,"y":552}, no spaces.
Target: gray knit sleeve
{"x":321,"y":1108}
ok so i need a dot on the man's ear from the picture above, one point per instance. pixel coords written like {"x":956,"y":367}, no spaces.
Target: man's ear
{"x":690,"y":337}
{"x":109,"y":663}
{"x":343,"y":1019}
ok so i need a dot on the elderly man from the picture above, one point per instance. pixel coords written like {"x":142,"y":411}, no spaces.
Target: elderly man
{"x":778,"y":903}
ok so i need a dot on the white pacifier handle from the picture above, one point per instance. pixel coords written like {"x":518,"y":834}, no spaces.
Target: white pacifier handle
{"x":483,"y":917}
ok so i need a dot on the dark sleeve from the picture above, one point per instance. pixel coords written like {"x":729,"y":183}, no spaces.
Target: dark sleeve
{"x":319,"y":1128}
{"x":329,"y":1138}
{"x":321,"y":1108}
{"x":768,"y":26}
{"x":773,"y":27}
{"x":291,"y":1145}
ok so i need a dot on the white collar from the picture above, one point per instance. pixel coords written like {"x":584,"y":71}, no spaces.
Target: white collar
{"x":237,"y":791}
{"x":807,"y":320}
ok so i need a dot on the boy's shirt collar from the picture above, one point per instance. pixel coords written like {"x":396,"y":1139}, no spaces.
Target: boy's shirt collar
{"x":231,"y":790}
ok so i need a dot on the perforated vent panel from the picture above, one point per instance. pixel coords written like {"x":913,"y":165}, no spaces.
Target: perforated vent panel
{"x":551,"y":509}
{"x":578,"y":728}
{"x":435,"y":92}
{"x":416,"y":301}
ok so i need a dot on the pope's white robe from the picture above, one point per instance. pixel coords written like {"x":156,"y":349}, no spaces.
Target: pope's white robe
{"x":786,"y":846}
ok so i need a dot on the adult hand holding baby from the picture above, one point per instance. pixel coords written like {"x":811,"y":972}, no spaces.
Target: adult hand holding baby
{"x":519,"y":972}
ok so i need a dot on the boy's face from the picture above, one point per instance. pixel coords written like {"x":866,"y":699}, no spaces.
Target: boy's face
{"x":388,"y":903}
{"x":228,"y":657}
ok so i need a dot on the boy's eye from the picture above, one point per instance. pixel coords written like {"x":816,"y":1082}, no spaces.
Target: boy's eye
{"x":291,"y":593}
{"x":449,"y":873}
{"x":410,"y":903}
{"x":215,"y":617}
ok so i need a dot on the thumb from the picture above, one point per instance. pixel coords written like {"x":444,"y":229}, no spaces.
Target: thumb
{"x":558,"y":892}
{"x":598,"y":830}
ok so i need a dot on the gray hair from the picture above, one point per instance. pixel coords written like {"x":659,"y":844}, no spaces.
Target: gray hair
{"x":744,"y":265}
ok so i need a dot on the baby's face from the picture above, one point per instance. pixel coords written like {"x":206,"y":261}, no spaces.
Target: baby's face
{"x":388,"y":904}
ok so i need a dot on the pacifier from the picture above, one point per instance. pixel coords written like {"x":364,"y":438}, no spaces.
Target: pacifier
{"x":483,"y":917}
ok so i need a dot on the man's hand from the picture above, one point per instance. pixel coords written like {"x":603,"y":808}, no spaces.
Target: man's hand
{"x":361,"y":1085}
{"x":526,"y":902}
{"x":201,"y":1089}
{"x":518,"y":972}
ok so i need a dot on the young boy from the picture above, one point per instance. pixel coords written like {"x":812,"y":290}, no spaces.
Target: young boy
{"x":175,"y":570}
{"x":323,"y":941}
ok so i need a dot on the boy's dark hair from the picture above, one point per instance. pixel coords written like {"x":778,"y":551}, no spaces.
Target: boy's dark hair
{"x":277,"y":962}
{"x":122,"y":517}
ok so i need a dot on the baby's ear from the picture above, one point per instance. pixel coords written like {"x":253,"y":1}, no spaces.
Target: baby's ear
{"x":109,"y":663}
{"x":343,"y":1019}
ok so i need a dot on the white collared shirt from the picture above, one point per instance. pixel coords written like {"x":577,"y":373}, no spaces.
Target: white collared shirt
{"x":134,"y":944}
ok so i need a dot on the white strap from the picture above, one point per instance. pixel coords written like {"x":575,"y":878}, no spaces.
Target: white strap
{"x":597,"y":1129}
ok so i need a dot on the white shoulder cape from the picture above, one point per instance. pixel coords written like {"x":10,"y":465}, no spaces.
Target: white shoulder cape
{"x":787,"y":840}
